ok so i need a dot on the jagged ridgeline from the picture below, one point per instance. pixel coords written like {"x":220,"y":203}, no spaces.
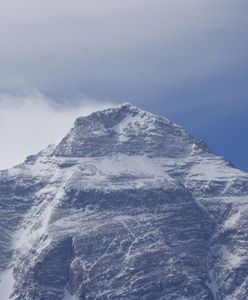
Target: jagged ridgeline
{"x":127,"y":206}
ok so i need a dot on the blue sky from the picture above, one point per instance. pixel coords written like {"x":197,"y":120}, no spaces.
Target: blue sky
{"x":186,"y":60}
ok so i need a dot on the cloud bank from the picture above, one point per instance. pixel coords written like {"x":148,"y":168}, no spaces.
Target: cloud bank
{"x":31,"y":122}
{"x":141,"y":50}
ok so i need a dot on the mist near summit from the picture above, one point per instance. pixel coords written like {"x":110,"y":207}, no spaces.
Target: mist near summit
{"x":32,"y":121}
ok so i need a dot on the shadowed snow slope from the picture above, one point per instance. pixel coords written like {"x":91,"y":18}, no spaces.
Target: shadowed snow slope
{"x":127,"y":206}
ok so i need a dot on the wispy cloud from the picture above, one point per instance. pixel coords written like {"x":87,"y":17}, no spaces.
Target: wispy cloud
{"x":30,"y":122}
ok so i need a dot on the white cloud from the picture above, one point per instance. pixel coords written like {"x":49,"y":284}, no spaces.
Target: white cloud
{"x":29,"y":123}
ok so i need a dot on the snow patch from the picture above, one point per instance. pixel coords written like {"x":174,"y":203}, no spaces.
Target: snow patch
{"x":68,"y":296}
{"x":6,"y":284}
{"x":232,"y":259}
{"x":232,"y":221}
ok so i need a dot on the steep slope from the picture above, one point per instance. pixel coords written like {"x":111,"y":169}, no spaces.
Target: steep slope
{"x":127,"y":206}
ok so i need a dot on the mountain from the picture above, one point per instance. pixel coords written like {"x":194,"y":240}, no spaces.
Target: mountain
{"x":127,"y":206}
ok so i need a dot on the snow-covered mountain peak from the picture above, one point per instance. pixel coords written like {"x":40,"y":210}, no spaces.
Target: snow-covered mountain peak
{"x":126,"y":129}
{"x":127,"y":206}
{"x":114,"y":116}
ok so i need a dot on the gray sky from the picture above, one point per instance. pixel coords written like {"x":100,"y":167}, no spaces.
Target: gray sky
{"x":184,"y":59}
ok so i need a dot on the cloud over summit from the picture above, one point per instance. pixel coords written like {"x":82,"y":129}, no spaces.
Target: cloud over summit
{"x":31,"y":122}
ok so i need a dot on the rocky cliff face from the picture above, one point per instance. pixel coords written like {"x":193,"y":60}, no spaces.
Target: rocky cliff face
{"x":127,"y":206}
